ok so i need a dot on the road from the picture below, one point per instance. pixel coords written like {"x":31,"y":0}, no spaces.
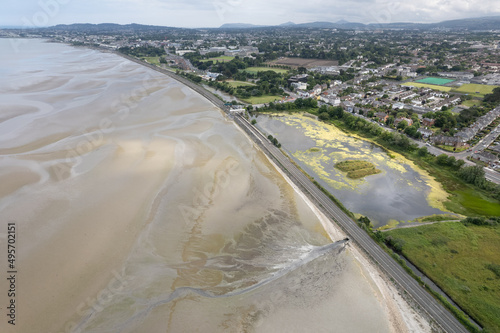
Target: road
{"x":490,"y":175}
{"x":444,"y":318}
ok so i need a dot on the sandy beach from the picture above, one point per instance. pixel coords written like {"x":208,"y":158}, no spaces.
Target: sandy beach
{"x":140,"y":208}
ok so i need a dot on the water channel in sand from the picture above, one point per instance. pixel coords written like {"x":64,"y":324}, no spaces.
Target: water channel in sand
{"x":140,"y":208}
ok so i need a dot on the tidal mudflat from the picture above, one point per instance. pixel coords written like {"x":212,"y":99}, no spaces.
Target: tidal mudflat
{"x":140,"y":208}
{"x":400,"y":192}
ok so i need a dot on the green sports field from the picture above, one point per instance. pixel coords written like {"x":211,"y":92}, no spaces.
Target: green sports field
{"x":219,"y":59}
{"x":262,"y":99}
{"x":236,"y":84}
{"x":255,"y":70}
{"x":478,"y":90}
{"x":435,"y":80}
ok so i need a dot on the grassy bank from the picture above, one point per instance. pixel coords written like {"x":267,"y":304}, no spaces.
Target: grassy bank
{"x":262,"y":99}
{"x":463,"y":260}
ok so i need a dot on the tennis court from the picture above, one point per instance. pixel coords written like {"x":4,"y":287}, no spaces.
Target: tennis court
{"x":435,"y":80}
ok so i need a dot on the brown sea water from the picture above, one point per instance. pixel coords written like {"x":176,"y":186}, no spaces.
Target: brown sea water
{"x":140,"y":208}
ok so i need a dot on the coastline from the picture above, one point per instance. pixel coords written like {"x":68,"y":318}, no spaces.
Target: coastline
{"x":401,"y":315}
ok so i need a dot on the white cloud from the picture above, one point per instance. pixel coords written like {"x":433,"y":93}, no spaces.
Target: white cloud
{"x":199,"y":13}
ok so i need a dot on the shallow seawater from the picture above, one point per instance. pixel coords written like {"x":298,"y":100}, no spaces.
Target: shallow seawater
{"x":400,"y":192}
{"x":141,"y":208}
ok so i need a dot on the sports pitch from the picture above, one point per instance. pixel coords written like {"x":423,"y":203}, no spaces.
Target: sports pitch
{"x":435,"y":80}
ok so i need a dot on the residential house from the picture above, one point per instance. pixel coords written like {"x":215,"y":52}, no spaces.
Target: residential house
{"x":453,"y":141}
{"x":348,"y":106}
{"x":382,"y":116}
{"x":407,"y":95}
{"x":400,"y":119}
{"x":426,"y":133}
{"x":398,"y":106}
{"x":485,"y":157}
{"x":303,"y":94}
{"x":428,"y":122}
{"x":316,"y":90}
{"x":299,"y":85}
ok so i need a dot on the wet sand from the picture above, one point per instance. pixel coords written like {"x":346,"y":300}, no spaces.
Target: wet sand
{"x":140,"y":208}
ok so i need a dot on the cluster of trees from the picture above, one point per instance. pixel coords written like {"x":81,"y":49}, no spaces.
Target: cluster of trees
{"x":494,"y":97}
{"x":274,"y":141}
{"x":192,"y":77}
{"x":449,"y":161}
{"x":448,"y":121}
{"x":143,"y":51}
{"x":475,"y":175}
{"x":267,"y":83}
{"x":482,"y":221}
{"x":228,"y":68}
{"x":298,"y":104}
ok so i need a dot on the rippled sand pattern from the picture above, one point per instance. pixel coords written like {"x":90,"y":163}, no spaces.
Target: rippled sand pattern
{"x":140,"y":208}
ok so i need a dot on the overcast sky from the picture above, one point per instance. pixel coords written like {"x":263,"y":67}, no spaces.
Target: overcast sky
{"x":203,"y":13}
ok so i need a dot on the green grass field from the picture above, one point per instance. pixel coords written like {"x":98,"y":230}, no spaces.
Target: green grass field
{"x":435,"y":80}
{"x":235,"y":84}
{"x":262,"y":99}
{"x":478,"y":90}
{"x":471,"y":103}
{"x":153,"y":60}
{"x":423,"y":85}
{"x":219,"y":59}
{"x":254,"y":70}
{"x":480,"y":206}
{"x":461,"y":260}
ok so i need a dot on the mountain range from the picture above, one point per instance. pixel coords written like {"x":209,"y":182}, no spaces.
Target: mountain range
{"x":471,"y":24}
{"x":481,"y":23}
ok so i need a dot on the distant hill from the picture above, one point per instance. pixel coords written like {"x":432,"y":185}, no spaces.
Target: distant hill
{"x":481,"y":23}
{"x":240,"y":26}
{"x":107,"y":27}
{"x":472,"y":24}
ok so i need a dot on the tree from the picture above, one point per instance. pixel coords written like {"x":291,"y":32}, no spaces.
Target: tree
{"x":473,"y":175}
{"x":402,"y":125}
{"x":389,"y":121}
{"x":442,"y":159}
{"x":494,"y":97}
{"x":422,"y":151}
{"x":324,"y":116}
{"x":336,"y":112}
{"x":254,"y":121}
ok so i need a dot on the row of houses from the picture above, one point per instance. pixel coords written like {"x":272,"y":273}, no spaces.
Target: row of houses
{"x":469,"y":132}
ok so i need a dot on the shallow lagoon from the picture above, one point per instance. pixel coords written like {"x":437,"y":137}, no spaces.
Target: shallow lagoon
{"x":402,"y":192}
